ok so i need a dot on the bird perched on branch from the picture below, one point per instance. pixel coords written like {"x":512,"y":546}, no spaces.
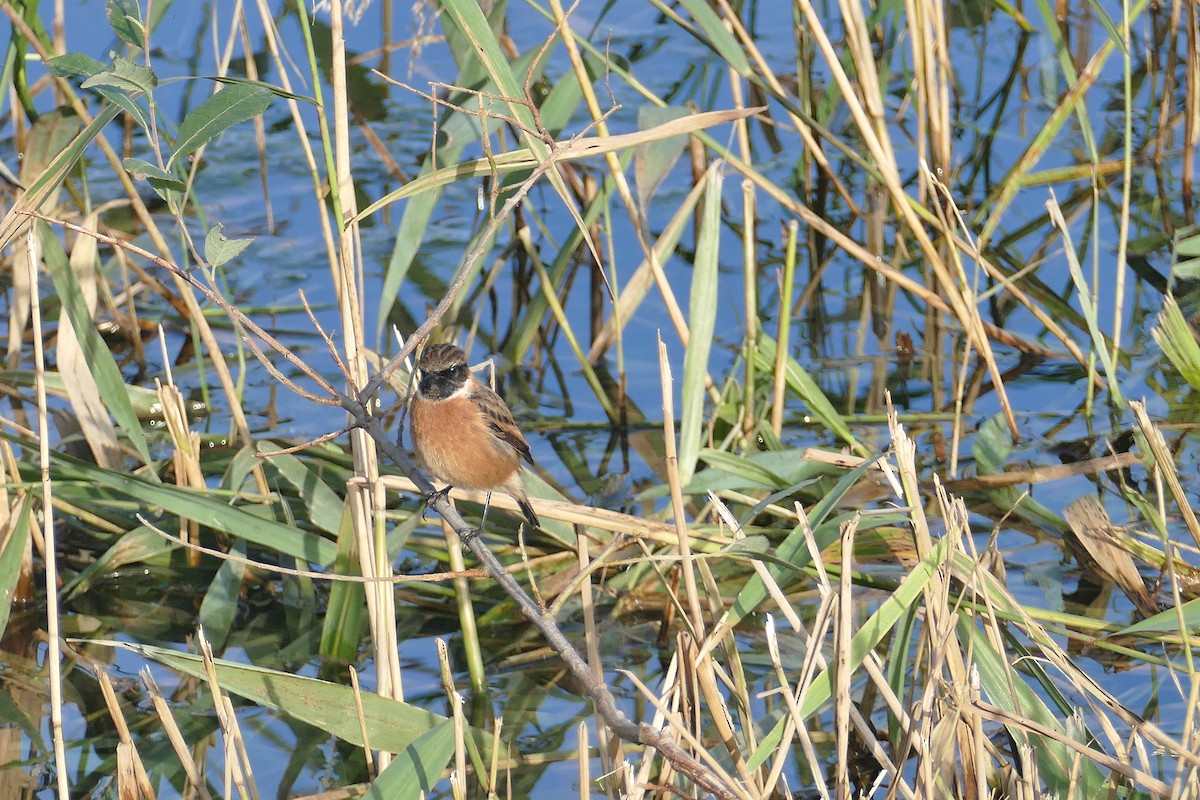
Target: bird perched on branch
{"x":464,"y":432}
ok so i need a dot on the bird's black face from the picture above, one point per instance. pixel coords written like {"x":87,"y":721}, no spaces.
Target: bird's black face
{"x":442,"y":383}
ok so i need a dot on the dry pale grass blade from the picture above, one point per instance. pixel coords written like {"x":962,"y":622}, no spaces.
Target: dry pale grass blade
{"x":1166,"y":465}
{"x":794,"y":725}
{"x":132,"y":781}
{"x":83,"y":393}
{"x":677,"y":726}
{"x":612,"y":750}
{"x":1100,"y":541}
{"x":368,"y":755}
{"x":186,"y":455}
{"x":710,"y":690}
{"x":456,"y":701}
{"x":238,"y":770}
{"x":196,"y":786}
{"x":931,"y":68}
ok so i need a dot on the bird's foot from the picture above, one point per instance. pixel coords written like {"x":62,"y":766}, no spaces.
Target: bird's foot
{"x":435,"y":495}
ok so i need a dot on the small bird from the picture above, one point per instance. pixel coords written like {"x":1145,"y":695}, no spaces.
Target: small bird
{"x":463,"y":430}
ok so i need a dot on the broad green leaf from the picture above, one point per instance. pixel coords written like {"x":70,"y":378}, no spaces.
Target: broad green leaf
{"x":75,"y":65}
{"x":125,"y":17}
{"x":702,"y":324}
{"x":235,"y":103}
{"x":413,"y":772}
{"x":100,"y":359}
{"x":144,"y":401}
{"x":391,"y":725}
{"x":167,"y":186}
{"x":1166,"y":622}
{"x":746,"y":469}
{"x":219,"y":607}
{"x":342,"y":626}
{"x":144,"y":170}
{"x":218,"y":249}
{"x":125,"y":75}
{"x":325,"y":507}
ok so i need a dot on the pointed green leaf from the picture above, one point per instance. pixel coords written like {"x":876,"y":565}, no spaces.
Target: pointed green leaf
{"x":126,"y":20}
{"x":218,"y":249}
{"x":391,"y":725}
{"x":75,"y":65}
{"x":125,"y":75}
{"x":413,"y":772}
{"x":702,"y":324}
{"x":1174,"y":335}
{"x":10,"y":560}
{"x":235,"y":103}
{"x":100,"y":359}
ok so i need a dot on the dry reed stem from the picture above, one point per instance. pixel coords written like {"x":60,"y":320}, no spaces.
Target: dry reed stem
{"x":368,"y":755}
{"x":365,"y":504}
{"x":591,"y":640}
{"x":49,"y":540}
{"x":683,"y":541}
{"x":132,"y":780}
{"x":842,"y":638}
{"x":1166,"y":463}
{"x":455,"y":700}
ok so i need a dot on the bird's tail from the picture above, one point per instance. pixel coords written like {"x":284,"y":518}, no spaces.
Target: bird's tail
{"x":528,"y":511}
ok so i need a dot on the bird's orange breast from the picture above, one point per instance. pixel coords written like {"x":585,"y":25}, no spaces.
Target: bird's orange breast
{"x":458,"y":448}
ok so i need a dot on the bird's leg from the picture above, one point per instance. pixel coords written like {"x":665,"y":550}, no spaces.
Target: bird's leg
{"x":487,"y":503}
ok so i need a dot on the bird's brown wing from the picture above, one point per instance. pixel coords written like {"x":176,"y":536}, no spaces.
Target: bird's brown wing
{"x":500,"y":420}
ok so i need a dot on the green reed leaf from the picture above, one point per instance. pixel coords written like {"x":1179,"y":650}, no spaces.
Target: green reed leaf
{"x":416,"y":770}
{"x":11,"y":558}
{"x":702,"y":323}
{"x":100,"y":359}
{"x":390,"y":724}
{"x":1174,"y":335}
{"x":219,"y":607}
